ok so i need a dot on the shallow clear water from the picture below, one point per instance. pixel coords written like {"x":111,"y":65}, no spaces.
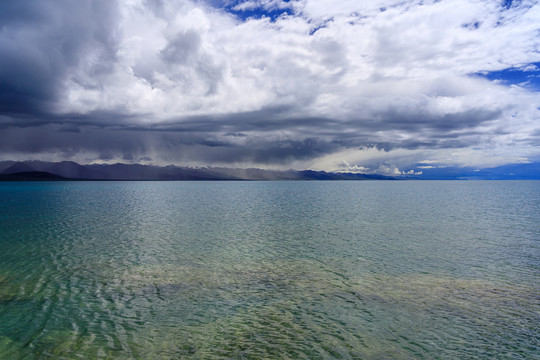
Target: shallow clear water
{"x":251,"y":270}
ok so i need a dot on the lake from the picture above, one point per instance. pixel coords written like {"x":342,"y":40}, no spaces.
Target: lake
{"x":276,"y":270}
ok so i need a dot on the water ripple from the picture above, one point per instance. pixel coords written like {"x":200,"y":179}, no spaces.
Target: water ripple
{"x":363,"y":270}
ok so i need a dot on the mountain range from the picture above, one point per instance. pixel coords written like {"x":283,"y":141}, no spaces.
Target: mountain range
{"x":69,"y":170}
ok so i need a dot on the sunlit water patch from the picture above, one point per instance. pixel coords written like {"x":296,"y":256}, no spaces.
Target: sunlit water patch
{"x":284,"y":270}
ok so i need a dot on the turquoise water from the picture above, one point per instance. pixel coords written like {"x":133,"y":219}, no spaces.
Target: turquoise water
{"x":275,"y":270}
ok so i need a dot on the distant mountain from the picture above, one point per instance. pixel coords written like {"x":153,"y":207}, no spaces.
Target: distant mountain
{"x":31,"y":176}
{"x":323,"y":175}
{"x":529,"y":171}
{"x":18,"y":167}
{"x":71,"y":170}
{"x":65,"y":169}
{"x":150,"y":172}
{"x":5,"y":164}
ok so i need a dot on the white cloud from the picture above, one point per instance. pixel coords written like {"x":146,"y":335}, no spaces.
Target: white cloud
{"x":387,"y":73}
{"x":265,"y":4}
{"x":389,"y":170}
{"x":408,"y":50}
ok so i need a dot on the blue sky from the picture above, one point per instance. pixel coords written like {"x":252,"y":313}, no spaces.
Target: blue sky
{"x":526,"y":76}
{"x":255,"y":11}
{"x":394,"y":87}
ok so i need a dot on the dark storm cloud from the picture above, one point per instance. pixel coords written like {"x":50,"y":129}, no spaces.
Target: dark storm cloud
{"x":285,"y":150}
{"x":172,"y":146}
{"x":443,"y":122}
{"x":205,"y":139}
{"x":268,"y":119}
{"x":419,"y":120}
{"x":70,"y":122}
{"x":40,"y":41}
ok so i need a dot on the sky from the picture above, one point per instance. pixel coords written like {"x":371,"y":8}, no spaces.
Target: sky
{"x":392,"y":87}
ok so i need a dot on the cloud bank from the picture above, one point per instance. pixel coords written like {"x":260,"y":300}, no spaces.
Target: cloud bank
{"x":372,"y":86}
